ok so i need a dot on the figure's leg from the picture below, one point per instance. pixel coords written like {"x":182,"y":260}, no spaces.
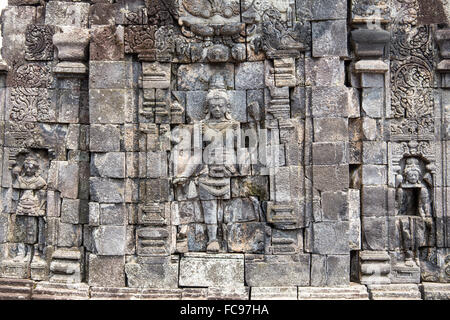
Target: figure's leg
{"x":38,"y":256}
{"x":21,"y":252}
{"x":210,"y":214}
{"x":406,"y":234}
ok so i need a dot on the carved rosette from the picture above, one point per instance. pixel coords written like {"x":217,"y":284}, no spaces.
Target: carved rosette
{"x":39,"y":43}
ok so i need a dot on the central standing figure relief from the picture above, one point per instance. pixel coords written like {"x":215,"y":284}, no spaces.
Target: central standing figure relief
{"x":213,"y":168}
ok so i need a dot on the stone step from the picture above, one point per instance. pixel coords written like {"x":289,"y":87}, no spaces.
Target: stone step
{"x":60,"y":291}
{"x":394,"y":292}
{"x":103,"y":293}
{"x":273,"y":293}
{"x":352,"y":292}
{"x":15,"y":289}
{"x":435,"y":291}
{"x":194,"y":294}
{"x":227,"y":293}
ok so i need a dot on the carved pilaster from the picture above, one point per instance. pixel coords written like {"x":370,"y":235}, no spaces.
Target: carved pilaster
{"x":72,"y":44}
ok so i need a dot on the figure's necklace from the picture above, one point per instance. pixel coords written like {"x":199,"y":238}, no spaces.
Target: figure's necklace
{"x":30,"y":180}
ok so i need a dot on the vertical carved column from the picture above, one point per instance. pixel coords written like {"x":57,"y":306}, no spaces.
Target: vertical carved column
{"x":369,"y":150}
{"x":4,"y":221}
{"x":442,"y":194}
{"x":68,"y":208}
{"x":153,"y":264}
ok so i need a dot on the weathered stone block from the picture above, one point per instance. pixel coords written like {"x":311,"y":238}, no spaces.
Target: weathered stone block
{"x":110,"y":105}
{"x":335,"y":206}
{"x":152,"y":272}
{"x":74,"y":211}
{"x":196,"y":76}
{"x":374,"y":201}
{"x":242,"y":209}
{"x":113,"y":214}
{"x":328,"y":71}
{"x":299,"y":102}
{"x":104,"y":138}
{"x":106,"y":271}
{"x":94,"y":214}
{"x":340,"y":264}
{"x":375,"y":233}
{"x":374,"y":152}
{"x":4,"y":222}
{"x":330,"y":129}
{"x":246,"y":237}
{"x":102,"y":14}
{"x":109,"y":240}
{"x":106,"y":190}
{"x":108,"y":165}
{"x":250,"y":75}
{"x":211,"y":270}
{"x":64,"y":177}
{"x":372,"y":80}
{"x":277,"y":270}
{"x":374,"y":175}
{"x":156,"y":164}
{"x":69,"y":235}
{"x":373,"y":102}
{"x":330,"y":270}
{"x":321,"y":9}
{"x":15,"y":21}
{"x":67,"y":14}
{"x":329,"y":38}
{"x":107,"y":43}
{"x":331,"y":178}
{"x":354,"y":211}
{"x":318,"y":270}
{"x":369,"y":128}
{"x":330,"y":101}
{"x":329,"y":153}
{"x":329,"y":237}
{"x":111,"y":75}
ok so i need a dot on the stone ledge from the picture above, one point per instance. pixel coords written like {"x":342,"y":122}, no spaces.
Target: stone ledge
{"x":273,"y":293}
{"x":99,"y":293}
{"x":60,"y":291}
{"x":353,"y":292}
{"x":13,"y":289}
{"x":435,"y":291}
{"x":394,"y":292}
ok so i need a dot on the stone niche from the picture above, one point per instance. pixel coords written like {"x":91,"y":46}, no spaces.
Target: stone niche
{"x":176,"y":148}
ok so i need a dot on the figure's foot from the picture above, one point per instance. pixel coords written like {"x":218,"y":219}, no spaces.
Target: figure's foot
{"x":409,"y":263}
{"x":213,"y":246}
{"x":37,"y":260}
{"x":19,"y":258}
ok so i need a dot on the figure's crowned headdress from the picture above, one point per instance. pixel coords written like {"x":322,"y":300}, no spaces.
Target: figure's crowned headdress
{"x":218,"y":90}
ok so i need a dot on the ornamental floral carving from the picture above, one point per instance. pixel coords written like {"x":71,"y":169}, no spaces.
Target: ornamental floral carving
{"x":39,"y":44}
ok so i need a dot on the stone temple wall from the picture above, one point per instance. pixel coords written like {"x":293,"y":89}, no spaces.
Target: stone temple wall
{"x":200,"y":148}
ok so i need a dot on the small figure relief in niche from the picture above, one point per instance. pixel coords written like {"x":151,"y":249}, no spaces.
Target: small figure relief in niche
{"x":207,"y":175}
{"x":414,"y":205}
{"x":29,"y":182}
